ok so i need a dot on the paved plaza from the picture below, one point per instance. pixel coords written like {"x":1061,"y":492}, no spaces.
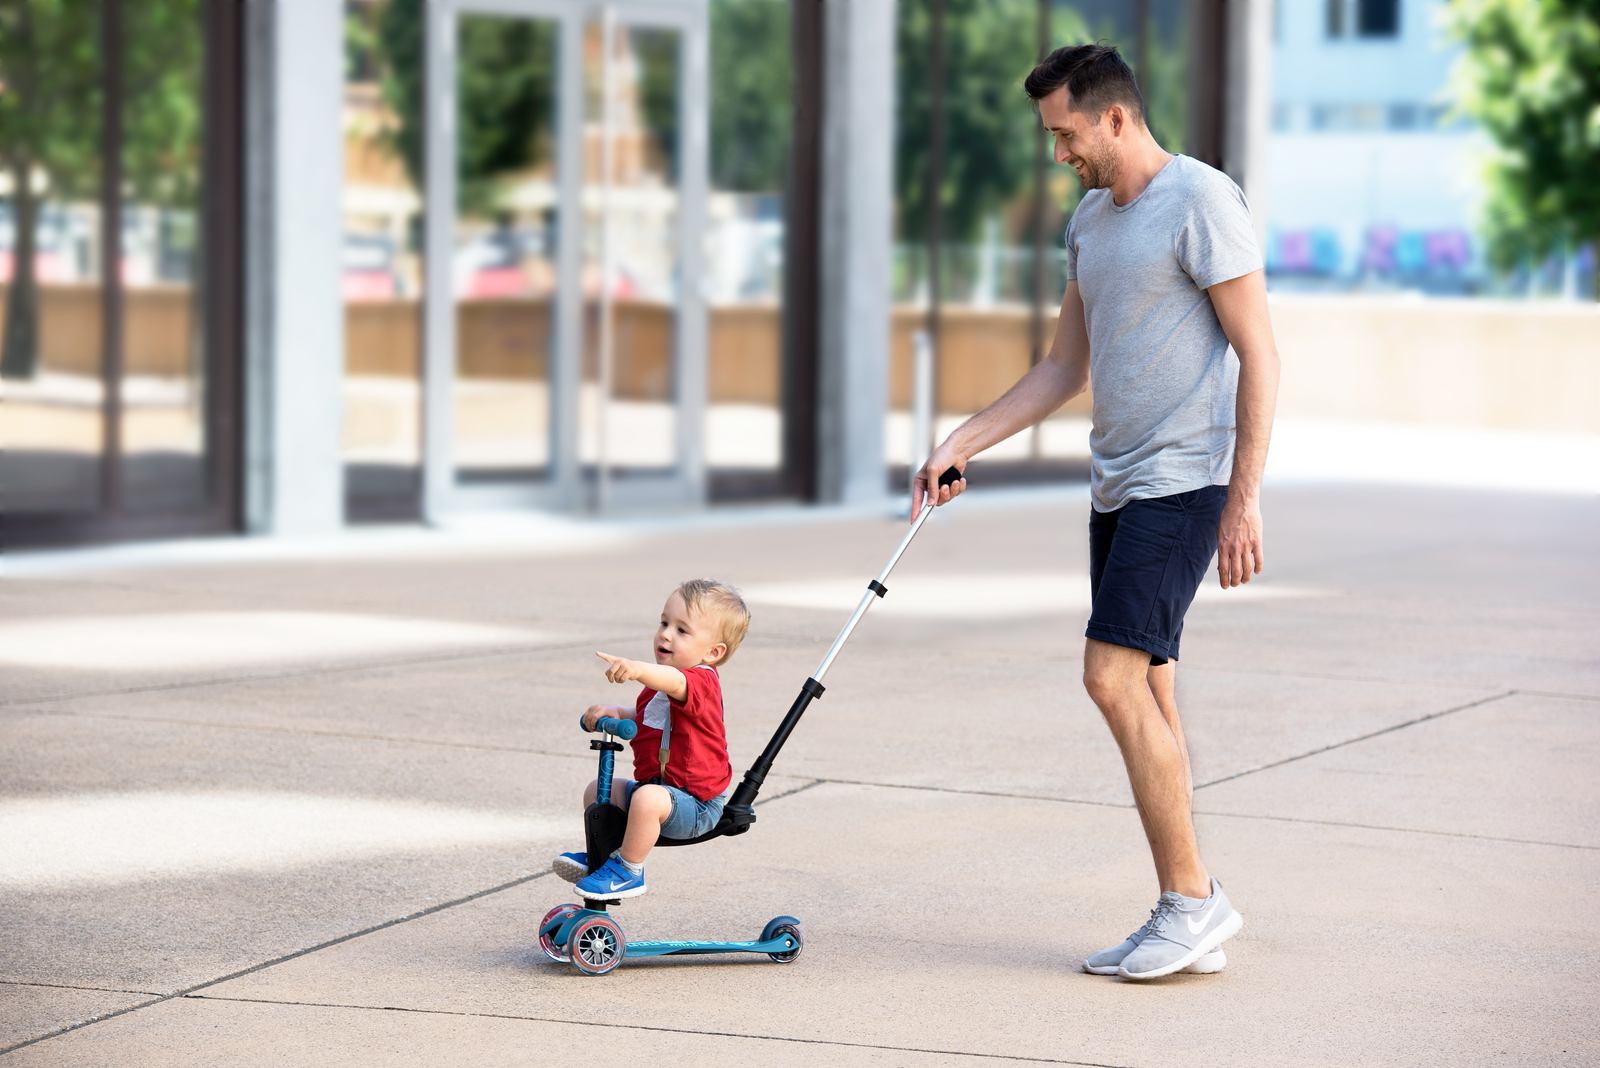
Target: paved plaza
{"x":299,"y":809}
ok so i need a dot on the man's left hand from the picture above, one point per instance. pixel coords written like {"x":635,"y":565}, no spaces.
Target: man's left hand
{"x":1239,"y":542}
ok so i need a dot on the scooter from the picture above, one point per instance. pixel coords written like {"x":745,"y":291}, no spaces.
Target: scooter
{"x":587,"y":936}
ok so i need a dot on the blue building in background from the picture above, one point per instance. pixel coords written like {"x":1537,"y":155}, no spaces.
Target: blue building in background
{"x":1374,"y":182}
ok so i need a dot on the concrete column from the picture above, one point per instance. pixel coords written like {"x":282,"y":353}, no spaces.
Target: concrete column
{"x":294,"y":345}
{"x":1247,"y":102}
{"x":857,"y":235}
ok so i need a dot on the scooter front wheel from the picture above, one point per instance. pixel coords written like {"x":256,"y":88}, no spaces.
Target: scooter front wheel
{"x":788,"y":956}
{"x":596,"y":945}
{"x":556,"y":953}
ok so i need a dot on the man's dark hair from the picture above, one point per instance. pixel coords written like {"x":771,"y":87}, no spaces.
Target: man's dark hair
{"x":1095,"y":77}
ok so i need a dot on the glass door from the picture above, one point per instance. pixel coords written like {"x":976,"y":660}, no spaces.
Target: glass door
{"x":119,"y":297}
{"x":564,"y":341}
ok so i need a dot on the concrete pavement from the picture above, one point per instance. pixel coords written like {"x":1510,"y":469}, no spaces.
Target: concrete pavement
{"x":336,"y":852}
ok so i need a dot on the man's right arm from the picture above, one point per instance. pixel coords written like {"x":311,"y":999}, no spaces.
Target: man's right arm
{"x":1054,"y":380}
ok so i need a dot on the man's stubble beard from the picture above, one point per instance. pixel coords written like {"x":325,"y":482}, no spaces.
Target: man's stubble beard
{"x":1100,"y":169}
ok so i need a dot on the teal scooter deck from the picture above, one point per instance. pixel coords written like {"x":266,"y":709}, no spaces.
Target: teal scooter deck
{"x":593,"y":942}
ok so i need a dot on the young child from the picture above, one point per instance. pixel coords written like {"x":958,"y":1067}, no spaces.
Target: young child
{"x":682,"y":777}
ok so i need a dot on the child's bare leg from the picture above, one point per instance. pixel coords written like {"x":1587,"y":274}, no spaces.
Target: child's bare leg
{"x":649,"y":809}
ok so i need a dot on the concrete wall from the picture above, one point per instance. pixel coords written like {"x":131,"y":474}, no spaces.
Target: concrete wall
{"x":1526,"y":366}
{"x":1474,"y":363}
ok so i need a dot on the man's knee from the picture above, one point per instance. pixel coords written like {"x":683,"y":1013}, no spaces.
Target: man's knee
{"x":1111,"y":671}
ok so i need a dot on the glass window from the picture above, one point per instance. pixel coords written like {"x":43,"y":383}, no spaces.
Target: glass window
{"x":630,"y":251}
{"x":52,"y":262}
{"x":163,"y":403}
{"x":751,"y":119}
{"x":382,"y":277}
{"x":506,"y":237}
{"x":108,"y":369}
{"x":1378,"y":18}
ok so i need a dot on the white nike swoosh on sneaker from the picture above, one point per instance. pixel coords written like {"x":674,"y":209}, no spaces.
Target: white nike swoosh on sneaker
{"x":1196,"y":928}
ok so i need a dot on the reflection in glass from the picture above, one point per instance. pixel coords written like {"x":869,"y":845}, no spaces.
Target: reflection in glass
{"x":163,"y":384}
{"x":51,"y":344}
{"x":752,"y":110}
{"x":628,"y":419}
{"x":382,"y":278}
{"x":504,"y":261}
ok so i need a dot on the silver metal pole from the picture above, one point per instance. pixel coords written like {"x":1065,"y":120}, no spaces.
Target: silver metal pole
{"x":871,"y":595}
{"x":921,"y":403}
{"x":608,"y":261}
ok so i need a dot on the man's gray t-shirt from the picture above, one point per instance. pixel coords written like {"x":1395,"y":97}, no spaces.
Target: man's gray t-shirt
{"x":1164,"y":377}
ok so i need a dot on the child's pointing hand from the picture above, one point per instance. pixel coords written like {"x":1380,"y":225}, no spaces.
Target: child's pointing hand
{"x":620,"y":670}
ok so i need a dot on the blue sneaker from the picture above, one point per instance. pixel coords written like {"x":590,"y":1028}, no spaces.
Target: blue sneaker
{"x":571,"y":866}
{"x":612,"y":881}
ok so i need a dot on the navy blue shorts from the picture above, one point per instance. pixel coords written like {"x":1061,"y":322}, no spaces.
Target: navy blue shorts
{"x":1146,"y":560}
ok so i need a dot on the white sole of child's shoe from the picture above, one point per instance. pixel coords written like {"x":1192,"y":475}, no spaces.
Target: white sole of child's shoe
{"x":570,"y":870}
{"x":1214,"y":961}
{"x":618,"y":895}
{"x":1224,"y":931}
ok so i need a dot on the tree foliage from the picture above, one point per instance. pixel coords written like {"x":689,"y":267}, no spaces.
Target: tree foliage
{"x":506,"y":70}
{"x":752,"y":94}
{"x":51,"y":105}
{"x":990,"y":127}
{"x":50,"y":110}
{"x":1531,"y":78}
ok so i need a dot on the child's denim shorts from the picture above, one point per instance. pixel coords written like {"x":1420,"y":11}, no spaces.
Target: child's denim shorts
{"x":691,"y":817}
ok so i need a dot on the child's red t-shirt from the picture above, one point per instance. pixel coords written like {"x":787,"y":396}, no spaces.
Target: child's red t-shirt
{"x":698,"y":757}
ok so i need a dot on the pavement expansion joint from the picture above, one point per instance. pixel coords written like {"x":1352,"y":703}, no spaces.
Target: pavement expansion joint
{"x":791,"y":793}
{"x":282,"y":959}
{"x":75,"y":986}
{"x":655,"y":1028}
{"x":1361,"y":738}
{"x":974,"y":793}
{"x":1397,"y":830}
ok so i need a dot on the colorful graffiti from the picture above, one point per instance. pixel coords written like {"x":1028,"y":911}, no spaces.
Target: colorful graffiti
{"x":1387,"y":251}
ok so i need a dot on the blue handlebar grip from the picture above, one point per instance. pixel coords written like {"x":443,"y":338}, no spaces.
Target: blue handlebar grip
{"x":622,"y":728}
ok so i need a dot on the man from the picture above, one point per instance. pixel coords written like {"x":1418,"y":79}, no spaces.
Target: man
{"x":1166,"y":310}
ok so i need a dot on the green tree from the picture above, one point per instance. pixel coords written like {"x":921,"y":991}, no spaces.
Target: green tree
{"x":752,"y":94}
{"x":505,"y":72}
{"x":50,"y":107}
{"x":1531,"y":78}
{"x":506,"y":92}
{"x":990,"y":46}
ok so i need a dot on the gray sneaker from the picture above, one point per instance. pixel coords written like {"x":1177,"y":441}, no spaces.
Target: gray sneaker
{"x":1108,"y":961}
{"x":1177,"y":937}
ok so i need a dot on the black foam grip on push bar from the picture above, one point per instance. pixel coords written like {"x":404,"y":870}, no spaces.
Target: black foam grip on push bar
{"x":950,"y":477}
{"x":877,"y":587}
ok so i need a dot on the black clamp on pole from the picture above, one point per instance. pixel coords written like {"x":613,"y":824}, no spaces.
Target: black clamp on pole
{"x":877,"y":587}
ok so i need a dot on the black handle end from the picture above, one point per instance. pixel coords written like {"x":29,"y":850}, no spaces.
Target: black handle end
{"x":950,"y":477}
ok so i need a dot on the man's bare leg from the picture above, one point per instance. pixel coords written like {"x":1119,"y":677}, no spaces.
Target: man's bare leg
{"x":1147,"y":730}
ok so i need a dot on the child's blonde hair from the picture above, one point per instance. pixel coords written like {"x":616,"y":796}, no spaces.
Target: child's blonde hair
{"x":720,"y":603}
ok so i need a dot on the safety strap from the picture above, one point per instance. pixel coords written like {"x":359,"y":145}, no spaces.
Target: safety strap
{"x":666,"y":743}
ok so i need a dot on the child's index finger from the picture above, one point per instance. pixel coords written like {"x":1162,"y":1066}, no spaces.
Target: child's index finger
{"x":607,"y":657}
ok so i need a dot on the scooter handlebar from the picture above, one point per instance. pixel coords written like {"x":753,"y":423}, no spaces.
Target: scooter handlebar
{"x":622,"y":728}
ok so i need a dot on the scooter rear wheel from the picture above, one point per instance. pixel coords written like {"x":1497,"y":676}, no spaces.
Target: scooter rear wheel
{"x":788,"y":956}
{"x":556,"y":953}
{"x":596,"y":945}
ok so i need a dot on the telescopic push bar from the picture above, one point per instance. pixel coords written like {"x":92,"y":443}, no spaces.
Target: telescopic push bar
{"x":739,"y":813}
